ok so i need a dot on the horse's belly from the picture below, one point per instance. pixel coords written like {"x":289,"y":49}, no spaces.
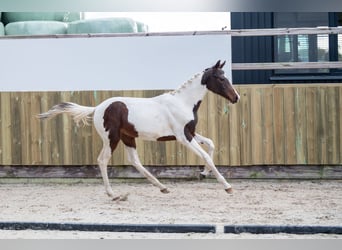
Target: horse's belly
{"x":153,"y":128}
{"x":150,"y":122}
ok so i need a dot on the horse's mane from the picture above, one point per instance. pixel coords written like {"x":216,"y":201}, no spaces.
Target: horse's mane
{"x":185,"y":84}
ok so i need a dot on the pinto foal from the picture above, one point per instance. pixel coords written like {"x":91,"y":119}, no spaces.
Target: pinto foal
{"x":170,"y":116}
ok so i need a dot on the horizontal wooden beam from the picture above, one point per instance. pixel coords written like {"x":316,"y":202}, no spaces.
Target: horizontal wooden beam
{"x":286,"y":65}
{"x":234,"y":32}
{"x":176,"y":172}
{"x":286,"y":31}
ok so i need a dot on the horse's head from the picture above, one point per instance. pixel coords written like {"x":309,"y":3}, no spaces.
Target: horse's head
{"x":216,"y":81}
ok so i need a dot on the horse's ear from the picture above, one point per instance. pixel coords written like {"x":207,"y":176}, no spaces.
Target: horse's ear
{"x":217,"y":65}
{"x":221,"y":66}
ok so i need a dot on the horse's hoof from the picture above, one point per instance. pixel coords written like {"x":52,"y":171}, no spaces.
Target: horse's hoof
{"x":229,"y":190}
{"x":121,"y":197}
{"x":117,"y":198}
{"x":164,"y":191}
{"x":202,"y":177}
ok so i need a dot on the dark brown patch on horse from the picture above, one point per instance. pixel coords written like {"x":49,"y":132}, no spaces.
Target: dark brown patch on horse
{"x":115,"y":120}
{"x":167,"y":138}
{"x":189,"y":128}
{"x":128,"y":140}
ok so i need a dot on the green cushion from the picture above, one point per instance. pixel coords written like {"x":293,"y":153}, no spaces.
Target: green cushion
{"x":2,"y":29}
{"x":142,"y":27}
{"x":9,"y":17}
{"x":35,"y":28}
{"x":103,"y":25}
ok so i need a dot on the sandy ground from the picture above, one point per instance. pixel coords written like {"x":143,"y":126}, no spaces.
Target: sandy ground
{"x":194,"y":202}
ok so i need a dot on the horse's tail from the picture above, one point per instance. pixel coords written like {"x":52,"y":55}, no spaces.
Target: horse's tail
{"x":78,"y":112}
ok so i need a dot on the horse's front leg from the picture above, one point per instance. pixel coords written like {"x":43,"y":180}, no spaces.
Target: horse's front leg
{"x":196,"y":148}
{"x":211,"y":147}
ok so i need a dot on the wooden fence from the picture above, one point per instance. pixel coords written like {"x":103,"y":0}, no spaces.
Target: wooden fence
{"x":272,"y":124}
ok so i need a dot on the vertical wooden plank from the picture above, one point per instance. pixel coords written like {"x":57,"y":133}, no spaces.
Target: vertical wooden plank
{"x":97,"y":143}
{"x":81,"y":133}
{"x":67,"y":123}
{"x":56,"y":134}
{"x":87,"y":99}
{"x":45,"y":127}
{"x":170,"y":156}
{"x":181,"y":154}
{"x":267,"y":128}
{"x":278,"y":116}
{"x":94,"y":150}
{"x":90,"y":149}
{"x":16,"y":134}
{"x":332,"y":125}
{"x":310,"y":100}
{"x":233,"y":123}
{"x":256,"y":126}
{"x":300,"y":125}
{"x":6,"y":128}
{"x":223,"y":139}
{"x":24,"y":116}
{"x":56,"y":131}
{"x":290,"y":142}
{"x":35,"y":125}
{"x":246,"y":149}
{"x":322,"y":126}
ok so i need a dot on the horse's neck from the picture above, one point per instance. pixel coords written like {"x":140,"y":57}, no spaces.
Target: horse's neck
{"x":192,"y":91}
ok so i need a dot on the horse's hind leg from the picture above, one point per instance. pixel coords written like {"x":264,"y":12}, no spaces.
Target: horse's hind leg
{"x":133,"y":158}
{"x":103,"y":160}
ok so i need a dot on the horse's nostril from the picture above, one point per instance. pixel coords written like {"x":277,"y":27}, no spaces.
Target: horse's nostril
{"x":236,"y":99}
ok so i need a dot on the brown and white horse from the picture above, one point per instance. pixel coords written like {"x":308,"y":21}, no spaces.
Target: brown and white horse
{"x":170,"y":116}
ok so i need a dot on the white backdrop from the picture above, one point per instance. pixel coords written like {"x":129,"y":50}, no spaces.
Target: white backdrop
{"x":108,"y":63}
